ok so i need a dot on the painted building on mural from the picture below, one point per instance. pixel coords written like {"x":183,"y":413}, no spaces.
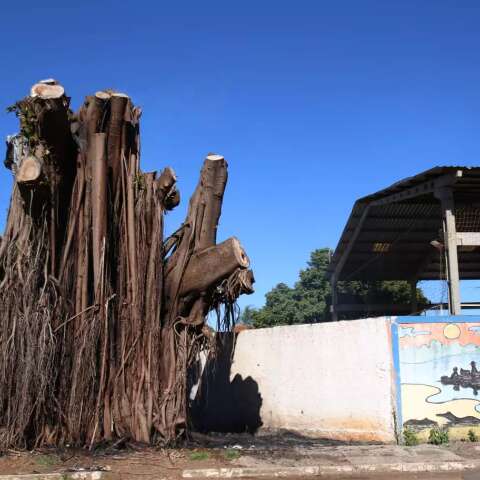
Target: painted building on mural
{"x":439,"y":377}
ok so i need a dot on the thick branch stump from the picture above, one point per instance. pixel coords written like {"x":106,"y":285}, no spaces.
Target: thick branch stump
{"x":30,"y":171}
{"x":209,"y":267}
{"x":166,"y":185}
{"x":47,"y":89}
{"x":199,"y":228}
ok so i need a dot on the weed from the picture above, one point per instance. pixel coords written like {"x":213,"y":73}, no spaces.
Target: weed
{"x":472,"y":436}
{"x":46,"y":460}
{"x":199,"y":456}
{"x":410,"y":437}
{"x":231,"y":454}
{"x":438,"y":436}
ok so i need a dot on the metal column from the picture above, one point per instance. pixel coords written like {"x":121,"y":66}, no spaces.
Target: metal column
{"x":413,"y":297}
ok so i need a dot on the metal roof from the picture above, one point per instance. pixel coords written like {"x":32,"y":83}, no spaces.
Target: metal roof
{"x":389,"y":233}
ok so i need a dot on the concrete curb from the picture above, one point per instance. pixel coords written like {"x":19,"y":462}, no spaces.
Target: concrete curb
{"x":55,"y":476}
{"x":319,"y":470}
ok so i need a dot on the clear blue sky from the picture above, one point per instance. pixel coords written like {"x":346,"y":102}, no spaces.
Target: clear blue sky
{"x":313,"y":103}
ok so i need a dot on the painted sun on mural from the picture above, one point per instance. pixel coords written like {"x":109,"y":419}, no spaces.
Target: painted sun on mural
{"x":439,"y":376}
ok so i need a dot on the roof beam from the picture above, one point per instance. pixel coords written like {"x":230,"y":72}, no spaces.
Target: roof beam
{"x":373,"y":258}
{"x":427,"y":261}
{"x":406,"y":242}
{"x":395,"y":230}
{"x":395,"y":307}
{"x":374,"y":307}
{"x":424,"y":188}
{"x":422,"y":218}
{"x":468,"y":239}
{"x":348,"y":249}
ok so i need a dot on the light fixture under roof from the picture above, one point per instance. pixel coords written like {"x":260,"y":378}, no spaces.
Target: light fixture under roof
{"x":380,"y":247}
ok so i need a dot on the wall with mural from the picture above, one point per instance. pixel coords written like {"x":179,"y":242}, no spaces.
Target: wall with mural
{"x":439,"y":373}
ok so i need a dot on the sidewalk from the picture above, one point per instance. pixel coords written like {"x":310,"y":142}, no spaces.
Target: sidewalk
{"x":312,"y":459}
{"x":226,"y":456}
{"x":344,"y":460}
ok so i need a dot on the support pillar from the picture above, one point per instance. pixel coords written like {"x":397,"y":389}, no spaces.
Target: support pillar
{"x":333,"y":306}
{"x":450,"y":232}
{"x":413,"y":297}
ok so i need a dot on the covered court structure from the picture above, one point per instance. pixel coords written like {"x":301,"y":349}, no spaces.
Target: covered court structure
{"x":425,"y":227}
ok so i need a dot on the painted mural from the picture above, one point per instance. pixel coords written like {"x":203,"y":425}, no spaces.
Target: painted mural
{"x":440,"y":377}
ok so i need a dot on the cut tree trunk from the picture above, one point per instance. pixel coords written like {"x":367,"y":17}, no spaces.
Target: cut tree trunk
{"x":30,"y":171}
{"x":118,"y":103}
{"x":98,"y":159}
{"x":47,"y":91}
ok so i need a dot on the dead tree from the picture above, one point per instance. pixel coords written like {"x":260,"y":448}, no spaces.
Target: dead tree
{"x":102,"y":318}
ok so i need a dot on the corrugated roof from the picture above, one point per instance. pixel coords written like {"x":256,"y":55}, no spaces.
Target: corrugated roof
{"x":391,"y":230}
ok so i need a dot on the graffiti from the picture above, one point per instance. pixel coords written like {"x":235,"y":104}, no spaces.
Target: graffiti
{"x":436,"y":388}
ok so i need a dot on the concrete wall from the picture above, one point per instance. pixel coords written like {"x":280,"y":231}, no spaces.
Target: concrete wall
{"x":332,"y":380}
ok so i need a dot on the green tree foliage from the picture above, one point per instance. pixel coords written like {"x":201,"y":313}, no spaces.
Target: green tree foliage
{"x":309,"y":299}
{"x":246,"y":315}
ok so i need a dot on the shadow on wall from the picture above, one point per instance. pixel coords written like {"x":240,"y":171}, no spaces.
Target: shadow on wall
{"x":222,"y":405}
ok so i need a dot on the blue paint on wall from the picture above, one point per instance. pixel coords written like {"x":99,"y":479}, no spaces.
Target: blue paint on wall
{"x":396,"y":368}
{"x":438,"y":319}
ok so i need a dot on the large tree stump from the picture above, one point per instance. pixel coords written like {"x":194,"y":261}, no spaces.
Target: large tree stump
{"x":111,"y":318}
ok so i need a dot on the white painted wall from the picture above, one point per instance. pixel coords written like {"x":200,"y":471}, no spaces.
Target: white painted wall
{"x":333,"y":380}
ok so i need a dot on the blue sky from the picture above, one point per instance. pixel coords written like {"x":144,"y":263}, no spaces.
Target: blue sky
{"x":313,"y":103}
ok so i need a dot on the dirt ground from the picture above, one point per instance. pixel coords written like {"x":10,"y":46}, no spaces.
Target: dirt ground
{"x":143,"y":463}
{"x":130,"y":462}
{"x":135,"y":461}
